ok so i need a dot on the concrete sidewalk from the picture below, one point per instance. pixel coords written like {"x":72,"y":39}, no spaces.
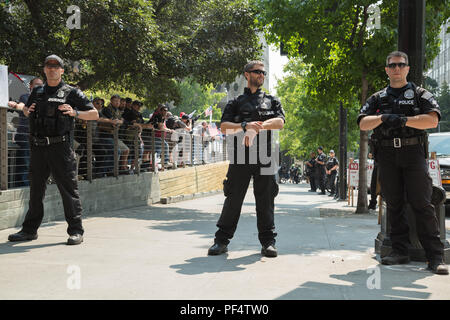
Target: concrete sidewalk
{"x":160,"y":252}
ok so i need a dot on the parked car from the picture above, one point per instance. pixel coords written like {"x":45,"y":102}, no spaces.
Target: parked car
{"x":440,"y":143}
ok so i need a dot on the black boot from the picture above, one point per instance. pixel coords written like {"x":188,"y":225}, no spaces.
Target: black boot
{"x":22,"y":236}
{"x":217,"y":248}
{"x":438,"y":267}
{"x":269,"y":251}
{"x":395,"y":258}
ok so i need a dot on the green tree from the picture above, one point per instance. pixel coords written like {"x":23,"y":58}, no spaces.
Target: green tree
{"x":197,"y":97}
{"x":145,"y":47}
{"x":308,"y":123}
{"x":346,"y":58}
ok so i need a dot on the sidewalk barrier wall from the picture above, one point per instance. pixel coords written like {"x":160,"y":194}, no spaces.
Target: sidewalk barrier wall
{"x":103,"y":184}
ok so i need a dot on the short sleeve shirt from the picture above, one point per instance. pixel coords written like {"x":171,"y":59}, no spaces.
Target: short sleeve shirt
{"x":259,"y":99}
{"x":427,"y":102}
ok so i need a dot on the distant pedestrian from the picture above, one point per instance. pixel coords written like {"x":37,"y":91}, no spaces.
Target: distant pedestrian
{"x":331,"y":171}
{"x":311,"y":171}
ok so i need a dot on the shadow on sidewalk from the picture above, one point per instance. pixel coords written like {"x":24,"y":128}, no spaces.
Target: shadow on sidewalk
{"x":393,"y":283}
{"x":19,"y":247}
{"x":215,"y":264}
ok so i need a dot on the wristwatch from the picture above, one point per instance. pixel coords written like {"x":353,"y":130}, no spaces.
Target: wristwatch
{"x":243,"y":125}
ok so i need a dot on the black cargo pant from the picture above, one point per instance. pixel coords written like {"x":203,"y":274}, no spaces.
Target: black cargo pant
{"x":312,"y":180}
{"x":373,"y":184}
{"x":331,"y":178}
{"x":59,"y":160}
{"x":320,"y":178}
{"x":265,"y":189}
{"x":405,"y":169}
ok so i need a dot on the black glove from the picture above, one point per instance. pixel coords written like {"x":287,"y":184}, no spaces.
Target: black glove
{"x":393,"y":120}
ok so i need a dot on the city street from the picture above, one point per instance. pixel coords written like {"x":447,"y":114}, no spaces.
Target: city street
{"x":160,"y":253}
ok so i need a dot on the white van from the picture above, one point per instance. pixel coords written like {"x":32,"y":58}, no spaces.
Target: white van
{"x":440,"y":143}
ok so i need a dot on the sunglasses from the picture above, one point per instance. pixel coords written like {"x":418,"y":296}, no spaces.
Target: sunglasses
{"x":258,"y":72}
{"x":53,"y":66}
{"x":401,"y":65}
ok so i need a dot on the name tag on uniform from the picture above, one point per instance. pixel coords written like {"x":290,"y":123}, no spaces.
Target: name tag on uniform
{"x":266,"y":113}
{"x":56,"y":100}
{"x":410,"y":102}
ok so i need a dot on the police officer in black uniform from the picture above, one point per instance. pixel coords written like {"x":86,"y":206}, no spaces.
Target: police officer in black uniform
{"x":51,"y":110}
{"x":311,"y":172}
{"x":320,"y":170}
{"x":251,"y":112}
{"x":331,"y":171}
{"x":399,"y":114}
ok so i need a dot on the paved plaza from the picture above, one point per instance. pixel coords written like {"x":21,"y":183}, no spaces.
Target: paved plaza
{"x":160,"y":252}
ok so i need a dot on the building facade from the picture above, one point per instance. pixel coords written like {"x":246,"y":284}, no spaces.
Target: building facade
{"x":440,"y":69}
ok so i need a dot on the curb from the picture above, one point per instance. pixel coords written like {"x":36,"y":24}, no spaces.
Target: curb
{"x":344,"y":212}
{"x":184,"y":197}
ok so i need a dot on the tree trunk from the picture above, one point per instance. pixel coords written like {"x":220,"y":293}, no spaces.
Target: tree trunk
{"x":361,"y":206}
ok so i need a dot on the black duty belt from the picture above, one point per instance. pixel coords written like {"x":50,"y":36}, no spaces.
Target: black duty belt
{"x":46,"y":141}
{"x":400,"y":142}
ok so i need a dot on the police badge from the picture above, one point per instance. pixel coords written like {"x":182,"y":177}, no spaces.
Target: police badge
{"x":409,"y":94}
{"x":60,"y":94}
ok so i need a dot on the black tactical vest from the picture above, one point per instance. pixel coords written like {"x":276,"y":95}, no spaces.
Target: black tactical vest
{"x":47,"y":120}
{"x":407,"y":104}
{"x":256,"y":107}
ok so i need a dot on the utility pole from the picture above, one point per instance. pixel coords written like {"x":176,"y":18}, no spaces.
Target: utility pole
{"x":342,"y":152}
{"x":411,"y":36}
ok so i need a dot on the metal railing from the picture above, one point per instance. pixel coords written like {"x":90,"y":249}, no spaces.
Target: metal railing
{"x":103,"y":150}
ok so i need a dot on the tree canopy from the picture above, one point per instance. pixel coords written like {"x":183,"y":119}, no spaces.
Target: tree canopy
{"x":144,"y":47}
{"x":345,"y":57}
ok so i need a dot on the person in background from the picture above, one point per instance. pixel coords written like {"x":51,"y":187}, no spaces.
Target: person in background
{"x":21,"y":138}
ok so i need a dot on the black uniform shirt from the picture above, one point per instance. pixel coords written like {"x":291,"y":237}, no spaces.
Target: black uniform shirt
{"x":258,"y":106}
{"x":427,"y":102}
{"x":332,"y":161}
{"x":248,"y":107}
{"x":322,"y":158}
{"x":76,"y":98}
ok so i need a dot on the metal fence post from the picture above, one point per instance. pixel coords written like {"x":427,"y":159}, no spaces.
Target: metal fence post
{"x":224,"y":149}
{"x":3,"y":150}
{"x":116,"y":151}
{"x":153,"y":152}
{"x":163,"y":149}
{"x":89,"y":138}
{"x":137,"y":166}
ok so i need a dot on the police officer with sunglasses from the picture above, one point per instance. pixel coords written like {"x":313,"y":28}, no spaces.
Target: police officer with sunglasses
{"x":249,"y":120}
{"x":51,"y":110}
{"x":398,"y":115}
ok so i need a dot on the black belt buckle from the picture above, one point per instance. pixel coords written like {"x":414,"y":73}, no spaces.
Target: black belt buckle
{"x":39,"y":142}
{"x":397,"y":143}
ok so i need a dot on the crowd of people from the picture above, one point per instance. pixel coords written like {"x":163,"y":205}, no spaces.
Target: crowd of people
{"x":321,"y":172}
{"x":134,"y":135}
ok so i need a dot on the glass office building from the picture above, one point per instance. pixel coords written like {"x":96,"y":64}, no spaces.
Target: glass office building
{"x":440,"y":69}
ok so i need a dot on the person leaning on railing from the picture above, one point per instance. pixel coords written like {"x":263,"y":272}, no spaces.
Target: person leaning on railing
{"x":133,"y":120}
{"x":21,"y":137}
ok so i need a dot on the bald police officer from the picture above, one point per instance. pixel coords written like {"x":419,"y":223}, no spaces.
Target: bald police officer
{"x":399,"y":114}
{"x":252,"y":112}
{"x":51,"y":110}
